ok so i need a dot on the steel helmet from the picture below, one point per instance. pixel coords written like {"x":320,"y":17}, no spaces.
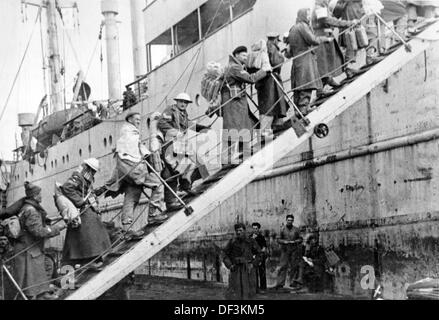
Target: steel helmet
{"x":183,"y":97}
{"x":92,"y":163}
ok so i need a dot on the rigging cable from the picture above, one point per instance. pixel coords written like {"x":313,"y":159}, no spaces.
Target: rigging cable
{"x":21,"y":64}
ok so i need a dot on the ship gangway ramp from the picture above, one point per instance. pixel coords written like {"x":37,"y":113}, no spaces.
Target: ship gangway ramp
{"x":226,"y":183}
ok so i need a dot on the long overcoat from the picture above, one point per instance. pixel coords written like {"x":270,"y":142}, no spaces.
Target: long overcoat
{"x":244,"y":254}
{"x":271,"y":99}
{"x":29,"y":267}
{"x":304,"y":72}
{"x":330,"y":59}
{"x":91,"y":238}
{"x":236,"y":113}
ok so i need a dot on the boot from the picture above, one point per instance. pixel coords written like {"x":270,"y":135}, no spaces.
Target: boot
{"x":48,"y":296}
{"x":351,"y":73}
{"x":333,"y":83}
{"x":155,"y":216}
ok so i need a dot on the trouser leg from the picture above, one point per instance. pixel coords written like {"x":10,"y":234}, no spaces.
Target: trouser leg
{"x":262,"y":276}
{"x":172,"y":183}
{"x":296,"y":265}
{"x":130,"y":202}
{"x":266,"y":122}
{"x":156,"y":200}
{"x":412,"y":15}
{"x":187,"y":180}
{"x":282,"y":274}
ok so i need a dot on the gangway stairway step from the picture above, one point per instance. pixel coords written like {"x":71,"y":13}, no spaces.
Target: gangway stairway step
{"x":218,"y":188}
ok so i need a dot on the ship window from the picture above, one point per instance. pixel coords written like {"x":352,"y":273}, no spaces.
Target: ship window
{"x":68,"y":158}
{"x":160,"y":50}
{"x":51,"y":164}
{"x":186,"y":32}
{"x":89,"y":148}
{"x":80,"y":152}
{"x":105,"y":142}
{"x":241,"y":6}
{"x":63,"y":159}
{"x":214,"y":16}
{"x":111,"y":140}
{"x":45,"y":167}
{"x":56,"y":163}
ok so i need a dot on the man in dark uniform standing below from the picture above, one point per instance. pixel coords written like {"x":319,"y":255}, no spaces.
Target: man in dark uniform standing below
{"x":241,"y":257}
{"x":291,"y":253}
{"x":261,"y":276}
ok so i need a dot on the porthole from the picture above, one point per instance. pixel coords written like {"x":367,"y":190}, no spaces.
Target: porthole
{"x":68,"y":159}
{"x":45,"y":167}
{"x":89,"y":148}
{"x":63,"y":159}
{"x":105,"y":142}
{"x":111,"y":140}
{"x":80,"y":152}
{"x":51,"y":164}
{"x":56,"y":163}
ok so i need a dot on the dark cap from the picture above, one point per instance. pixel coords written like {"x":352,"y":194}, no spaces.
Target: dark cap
{"x":239,"y":50}
{"x":31,"y":190}
{"x":131,"y":114}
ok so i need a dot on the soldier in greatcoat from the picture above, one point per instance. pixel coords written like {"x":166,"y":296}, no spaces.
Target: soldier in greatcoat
{"x":84,"y":244}
{"x":29,"y":265}
{"x":242,"y":257}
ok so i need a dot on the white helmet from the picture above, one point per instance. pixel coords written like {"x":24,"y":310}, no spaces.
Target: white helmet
{"x":183,"y":97}
{"x":92,"y":163}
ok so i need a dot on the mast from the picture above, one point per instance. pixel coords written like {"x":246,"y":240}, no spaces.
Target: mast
{"x":110,"y":9}
{"x":56,"y":87}
{"x":138,"y":33}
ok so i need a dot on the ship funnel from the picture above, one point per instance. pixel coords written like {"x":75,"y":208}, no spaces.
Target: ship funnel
{"x":138,"y":33}
{"x":110,"y":9}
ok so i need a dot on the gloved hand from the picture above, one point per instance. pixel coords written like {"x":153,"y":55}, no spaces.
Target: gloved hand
{"x":75,"y":223}
{"x":155,"y":145}
{"x":267,"y":68}
{"x":328,"y":39}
